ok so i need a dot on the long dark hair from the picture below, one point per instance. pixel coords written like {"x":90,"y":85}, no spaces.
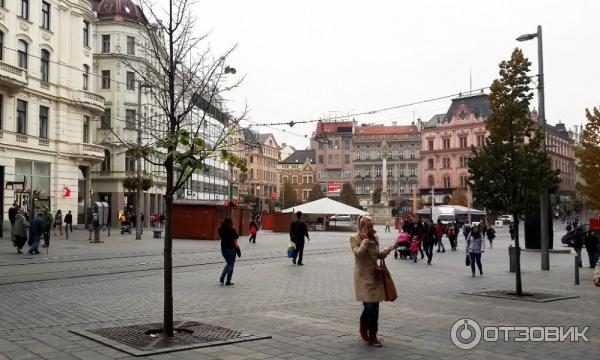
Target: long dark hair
{"x":227,"y":224}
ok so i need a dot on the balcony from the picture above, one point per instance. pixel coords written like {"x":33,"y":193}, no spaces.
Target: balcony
{"x":12,"y":77}
{"x":89,"y":100}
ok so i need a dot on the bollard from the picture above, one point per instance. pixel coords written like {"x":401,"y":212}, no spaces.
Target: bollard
{"x":576,"y":270}
{"x":108,"y":230}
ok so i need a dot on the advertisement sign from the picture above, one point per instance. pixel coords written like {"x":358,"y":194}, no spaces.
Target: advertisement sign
{"x":274,"y":194}
{"x":334,"y":187}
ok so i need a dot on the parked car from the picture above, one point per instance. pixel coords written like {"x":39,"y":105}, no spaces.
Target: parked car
{"x":505,"y":218}
{"x":339,"y":218}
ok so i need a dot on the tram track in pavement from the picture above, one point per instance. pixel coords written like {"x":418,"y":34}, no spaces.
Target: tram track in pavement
{"x":98,"y":271}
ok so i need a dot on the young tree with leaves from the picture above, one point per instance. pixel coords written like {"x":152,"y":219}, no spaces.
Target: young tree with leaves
{"x":459,"y":197}
{"x":589,"y":158}
{"x":316,"y":193}
{"x":187,"y":85}
{"x":348,"y":196}
{"x":509,"y":173}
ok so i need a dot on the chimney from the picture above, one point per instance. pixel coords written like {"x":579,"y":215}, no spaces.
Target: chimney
{"x":394,"y":123}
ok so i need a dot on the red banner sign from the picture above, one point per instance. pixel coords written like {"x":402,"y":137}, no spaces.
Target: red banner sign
{"x":334,"y":187}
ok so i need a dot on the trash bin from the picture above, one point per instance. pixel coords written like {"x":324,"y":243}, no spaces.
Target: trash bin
{"x":512,"y":255}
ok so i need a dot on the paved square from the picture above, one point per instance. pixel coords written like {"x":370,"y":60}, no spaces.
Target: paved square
{"x":310,"y":311}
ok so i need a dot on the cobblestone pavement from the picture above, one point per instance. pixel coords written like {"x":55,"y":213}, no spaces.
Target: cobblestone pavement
{"x":310,"y":311}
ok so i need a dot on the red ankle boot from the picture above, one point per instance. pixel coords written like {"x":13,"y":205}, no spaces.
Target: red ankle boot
{"x":373,"y":336}
{"x":363,"y":332}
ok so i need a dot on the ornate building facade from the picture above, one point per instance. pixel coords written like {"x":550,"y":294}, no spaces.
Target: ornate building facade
{"x":386,"y":158}
{"x":299,"y":172}
{"x":48,"y":105}
{"x":332,"y":142}
{"x":446,"y":142}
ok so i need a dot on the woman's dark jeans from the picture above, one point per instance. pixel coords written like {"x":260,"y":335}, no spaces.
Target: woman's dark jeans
{"x":229,"y":256}
{"x":475,"y":257}
{"x":370,"y":314}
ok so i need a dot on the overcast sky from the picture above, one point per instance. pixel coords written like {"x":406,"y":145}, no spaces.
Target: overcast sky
{"x":308,"y":59}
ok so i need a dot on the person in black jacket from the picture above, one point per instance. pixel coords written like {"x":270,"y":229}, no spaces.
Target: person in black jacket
{"x":229,"y":248}
{"x":298,"y":230}
{"x":429,"y":240}
{"x":69,"y":221}
{"x":12,"y":214}
{"x":591,"y":245}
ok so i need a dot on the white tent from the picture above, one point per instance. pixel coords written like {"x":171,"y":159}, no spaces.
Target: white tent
{"x":326,"y":206}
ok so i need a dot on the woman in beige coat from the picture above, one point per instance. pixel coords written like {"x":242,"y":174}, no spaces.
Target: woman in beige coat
{"x":369,"y":289}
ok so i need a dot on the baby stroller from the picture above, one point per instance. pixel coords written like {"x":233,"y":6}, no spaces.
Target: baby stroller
{"x":403,"y":246}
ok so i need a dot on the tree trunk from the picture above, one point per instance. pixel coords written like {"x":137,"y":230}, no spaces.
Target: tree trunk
{"x":519,"y":288}
{"x":167,"y":253}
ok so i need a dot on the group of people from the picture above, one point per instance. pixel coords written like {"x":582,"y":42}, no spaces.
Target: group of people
{"x":30,"y":231}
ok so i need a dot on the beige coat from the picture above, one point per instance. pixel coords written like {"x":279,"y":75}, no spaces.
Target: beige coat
{"x":366,"y":252}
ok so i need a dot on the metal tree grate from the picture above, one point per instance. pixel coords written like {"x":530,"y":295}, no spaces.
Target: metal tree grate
{"x":135,"y":339}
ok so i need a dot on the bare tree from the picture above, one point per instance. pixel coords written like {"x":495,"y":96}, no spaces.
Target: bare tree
{"x":186,"y":84}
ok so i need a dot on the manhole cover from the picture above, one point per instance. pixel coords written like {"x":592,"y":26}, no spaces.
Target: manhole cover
{"x":142,"y":339}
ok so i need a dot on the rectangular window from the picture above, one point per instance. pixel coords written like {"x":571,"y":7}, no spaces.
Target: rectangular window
{"x":21,"y":117}
{"x":412,"y":154}
{"x":430,"y":163}
{"x":130,"y":80}
{"x":24,"y":9}
{"x":430,"y":144}
{"x":86,"y":130}
{"x":305,"y":194}
{"x":86,"y":33}
{"x":86,"y":76}
{"x":294,"y":179}
{"x":347,"y":158}
{"x":446,"y":163}
{"x":346,"y":144}
{"x":130,"y":119}
{"x":37,"y":174}
{"x":130,"y":45}
{"x":45,"y":65}
{"x":320,"y":159}
{"x":446,"y":143}
{"x":367,"y":155}
{"x":446,"y":181}
{"x":45,"y":15}
{"x":44,"y":121}
{"x":23,"y":54}
{"x":378,"y":171}
{"x":480,"y":140}
{"x":106,"y":79}
{"x":413,"y":171}
{"x":401,"y":170}
{"x":463,"y":141}
{"x":390,"y":171}
{"x":105,"y":44}
{"x":330,"y":159}
{"x":105,"y":121}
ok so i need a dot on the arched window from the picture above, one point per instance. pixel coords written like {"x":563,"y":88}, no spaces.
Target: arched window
{"x":86,"y":76}
{"x":22,"y":54}
{"x":45,"y":65}
{"x":106,"y":161}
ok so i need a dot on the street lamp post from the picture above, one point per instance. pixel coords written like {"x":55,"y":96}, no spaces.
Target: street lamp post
{"x":140,"y":190}
{"x":544,"y":203}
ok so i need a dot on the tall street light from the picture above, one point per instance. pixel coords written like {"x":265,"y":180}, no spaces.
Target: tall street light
{"x":544,"y":219}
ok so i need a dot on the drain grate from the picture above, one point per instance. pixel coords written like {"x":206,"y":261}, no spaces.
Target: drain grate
{"x":136,"y":339}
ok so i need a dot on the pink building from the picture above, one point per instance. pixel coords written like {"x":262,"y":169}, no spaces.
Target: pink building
{"x":446,"y":142}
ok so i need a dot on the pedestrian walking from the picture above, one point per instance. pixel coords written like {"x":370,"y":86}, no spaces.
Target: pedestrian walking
{"x":491,"y":235}
{"x":483,"y":228}
{"x":36,"y":232}
{"x":576,"y":241}
{"x":511,"y":231}
{"x":591,"y":245}
{"x":230,"y":247}
{"x":475,"y":247}
{"x":466,"y":230}
{"x":298,"y":231}
{"x":368,"y":288}
{"x":69,"y":221}
{"x":58,"y":220}
{"x":253,"y":230}
{"x":48,"y":223}
{"x":414,"y":248}
{"x":429,"y":240}
{"x":417,"y":231}
{"x":387,"y":226}
{"x":12,"y":213}
{"x":451,"y":233}
{"x":408,"y":225}
{"x":20,"y":231}
{"x":439,"y":233}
